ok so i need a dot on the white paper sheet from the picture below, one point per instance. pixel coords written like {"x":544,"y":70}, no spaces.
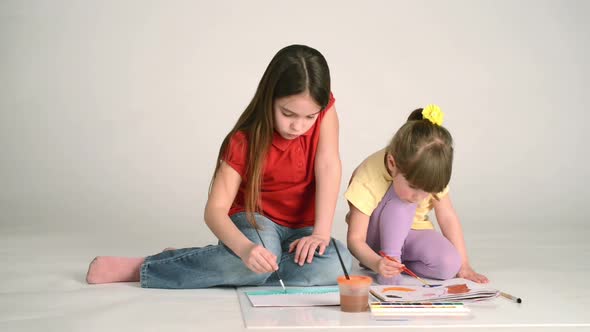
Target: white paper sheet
{"x":295,"y":297}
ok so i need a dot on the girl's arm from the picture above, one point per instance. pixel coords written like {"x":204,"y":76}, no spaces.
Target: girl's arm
{"x":356,"y":239}
{"x":223,"y":192}
{"x":451,"y":228}
{"x":328,"y":170}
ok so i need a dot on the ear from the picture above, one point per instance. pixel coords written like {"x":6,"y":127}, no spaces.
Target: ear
{"x":391,"y":165}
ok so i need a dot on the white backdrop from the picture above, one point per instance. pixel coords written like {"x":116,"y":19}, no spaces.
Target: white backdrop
{"x":112,"y":112}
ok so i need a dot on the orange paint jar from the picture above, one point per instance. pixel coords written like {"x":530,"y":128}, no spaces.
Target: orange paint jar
{"x":354,"y":293}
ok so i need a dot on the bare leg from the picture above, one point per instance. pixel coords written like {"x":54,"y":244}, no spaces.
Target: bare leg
{"x":107,"y":269}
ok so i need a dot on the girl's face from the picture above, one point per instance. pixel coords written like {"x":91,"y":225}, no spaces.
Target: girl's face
{"x":404,"y":190}
{"x":295,"y":114}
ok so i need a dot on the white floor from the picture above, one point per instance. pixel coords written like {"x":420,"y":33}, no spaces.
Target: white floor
{"x":42,"y":287}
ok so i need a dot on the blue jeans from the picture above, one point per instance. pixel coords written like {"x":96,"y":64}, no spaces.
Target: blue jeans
{"x":217,"y":265}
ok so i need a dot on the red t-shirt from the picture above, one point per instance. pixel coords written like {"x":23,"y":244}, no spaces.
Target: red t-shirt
{"x":287,"y":194}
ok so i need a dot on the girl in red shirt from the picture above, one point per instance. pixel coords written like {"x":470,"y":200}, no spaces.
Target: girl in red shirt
{"x":272,"y":196}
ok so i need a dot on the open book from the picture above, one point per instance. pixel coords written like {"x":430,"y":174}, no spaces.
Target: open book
{"x":452,"y":290}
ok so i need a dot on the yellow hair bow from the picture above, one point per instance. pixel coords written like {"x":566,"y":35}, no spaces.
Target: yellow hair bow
{"x":433,"y":113}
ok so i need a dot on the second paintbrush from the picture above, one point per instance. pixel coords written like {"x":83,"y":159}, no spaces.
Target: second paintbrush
{"x":405,"y":269}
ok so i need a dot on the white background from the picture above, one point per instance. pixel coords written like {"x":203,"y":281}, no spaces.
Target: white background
{"x":112,"y":112}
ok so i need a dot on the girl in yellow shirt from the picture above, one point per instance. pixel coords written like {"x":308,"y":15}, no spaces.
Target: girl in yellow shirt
{"x":389,"y":196}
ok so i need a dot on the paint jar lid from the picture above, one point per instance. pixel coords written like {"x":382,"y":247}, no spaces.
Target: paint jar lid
{"x":355,"y":280}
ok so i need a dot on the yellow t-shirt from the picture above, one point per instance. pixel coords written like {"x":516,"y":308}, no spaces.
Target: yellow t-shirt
{"x":371,"y":181}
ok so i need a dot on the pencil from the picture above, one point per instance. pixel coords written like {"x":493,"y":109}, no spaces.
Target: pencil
{"x":511,"y":297}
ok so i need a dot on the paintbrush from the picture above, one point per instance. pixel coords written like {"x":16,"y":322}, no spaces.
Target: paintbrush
{"x":341,"y":261}
{"x":277,"y":271}
{"x":379,"y":297}
{"x":405,"y":269}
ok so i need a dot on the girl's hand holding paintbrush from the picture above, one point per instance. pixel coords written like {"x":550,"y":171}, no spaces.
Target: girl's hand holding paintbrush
{"x":404,"y":268}
{"x":259,"y":259}
{"x":389,"y":268}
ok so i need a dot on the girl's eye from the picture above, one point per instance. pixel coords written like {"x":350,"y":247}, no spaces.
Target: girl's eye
{"x":311,"y":116}
{"x":288,"y":114}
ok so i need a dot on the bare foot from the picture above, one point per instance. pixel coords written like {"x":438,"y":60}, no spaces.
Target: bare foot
{"x":106,"y":269}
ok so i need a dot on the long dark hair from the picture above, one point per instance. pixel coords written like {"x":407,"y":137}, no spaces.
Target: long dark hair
{"x":293,"y":70}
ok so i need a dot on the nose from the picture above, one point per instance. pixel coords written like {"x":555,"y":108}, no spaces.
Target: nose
{"x":297,"y":125}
